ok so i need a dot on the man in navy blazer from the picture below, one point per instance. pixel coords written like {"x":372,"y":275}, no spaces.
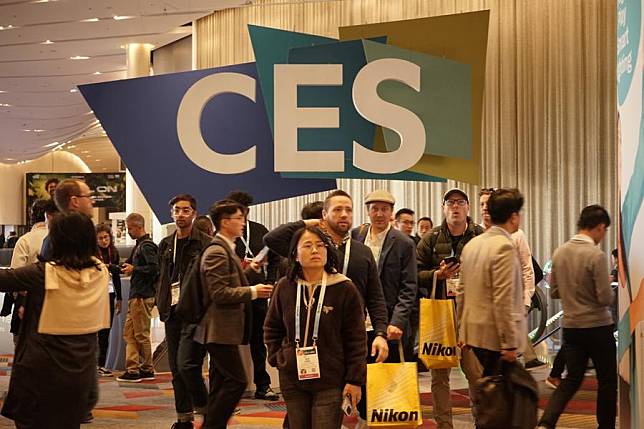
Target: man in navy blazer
{"x":396,"y":258}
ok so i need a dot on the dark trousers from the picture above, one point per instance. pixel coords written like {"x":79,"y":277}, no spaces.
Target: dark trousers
{"x":104,"y":335}
{"x":559,"y":363}
{"x":257,"y":347}
{"x":227,"y":384}
{"x":597,"y":344}
{"x":312,"y":410}
{"x":489,"y":360}
{"x":185,"y":358}
{"x":393,"y":357}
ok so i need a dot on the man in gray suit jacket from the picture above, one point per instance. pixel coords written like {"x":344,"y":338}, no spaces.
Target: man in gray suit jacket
{"x":226,"y":323}
{"x":492,"y":321}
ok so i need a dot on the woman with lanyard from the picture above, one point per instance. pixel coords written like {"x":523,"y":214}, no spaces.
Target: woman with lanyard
{"x":314,"y":332}
{"x":109,"y":255}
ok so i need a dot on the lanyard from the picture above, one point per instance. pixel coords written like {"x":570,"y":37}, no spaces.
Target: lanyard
{"x":347,"y":253}
{"x":318,"y":312}
{"x":246,"y":242}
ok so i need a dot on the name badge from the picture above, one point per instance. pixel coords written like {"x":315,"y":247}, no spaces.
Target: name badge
{"x":175,"y":291}
{"x":308,"y":366}
{"x":453,"y":286}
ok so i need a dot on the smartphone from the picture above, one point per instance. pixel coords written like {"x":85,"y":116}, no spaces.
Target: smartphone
{"x":451,"y":260}
{"x":346,"y":406}
{"x":261,"y":255}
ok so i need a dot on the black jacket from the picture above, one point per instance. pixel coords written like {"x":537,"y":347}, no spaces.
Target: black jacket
{"x":257,"y":232}
{"x":196,"y":243}
{"x":113,"y":266}
{"x":145,"y":259}
{"x":397,"y":272}
{"x":435,"y":246}
{"x":362,"y":271}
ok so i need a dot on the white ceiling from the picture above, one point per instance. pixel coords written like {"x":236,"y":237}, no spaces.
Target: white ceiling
{"x":38,"y":79}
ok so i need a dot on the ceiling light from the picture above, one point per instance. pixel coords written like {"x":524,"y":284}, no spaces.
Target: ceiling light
{"x":97,"y":160}
{"x":5,"y":105}
{"x":9,"y":159}
{"x":97,"y":72}
{"x":2,"y":92}
{"x":43,"y":1}
{"x":27,"y":130}
{"x":90,"y":20}
{"x":84,"y":151}
{"x":71,"y":146}
{"x":47,"y":42}
{"x":51,"y":144}
{"x":79,"y":57}
{"x":119,"y":18}
{"x":73,"y":90}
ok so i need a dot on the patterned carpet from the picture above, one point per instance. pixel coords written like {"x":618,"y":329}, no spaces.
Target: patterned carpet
{"x":150,"y":404}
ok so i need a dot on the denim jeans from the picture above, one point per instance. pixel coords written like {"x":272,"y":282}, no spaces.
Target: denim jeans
{"x":597,"y":344}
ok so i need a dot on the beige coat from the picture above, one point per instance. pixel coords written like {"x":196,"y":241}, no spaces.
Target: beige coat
{"x":492,"y":315}
{"x":227,"y":320}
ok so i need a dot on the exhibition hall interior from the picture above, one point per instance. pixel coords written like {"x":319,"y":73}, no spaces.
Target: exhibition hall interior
{"x":321,"y":214}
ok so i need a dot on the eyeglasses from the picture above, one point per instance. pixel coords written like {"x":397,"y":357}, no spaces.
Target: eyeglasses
{"x":451,"y":203}
{"x":182,"y":210}
{"x":90,"y":196}
{"x":310,"y":246}
{"x":236,"y":217}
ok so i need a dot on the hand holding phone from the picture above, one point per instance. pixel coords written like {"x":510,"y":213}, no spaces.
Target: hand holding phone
{"x":451,"y":260}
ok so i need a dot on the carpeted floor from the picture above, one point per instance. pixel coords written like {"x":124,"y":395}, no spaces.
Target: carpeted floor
{"x":150,"y":405}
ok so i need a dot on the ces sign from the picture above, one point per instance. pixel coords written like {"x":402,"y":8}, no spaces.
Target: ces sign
{"x":289,"y":118}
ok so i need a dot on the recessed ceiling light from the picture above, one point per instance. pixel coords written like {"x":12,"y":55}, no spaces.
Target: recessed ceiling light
{"x":28,"y":130}
{"x":47,"y":42}
{"x":9,"y":159}
{"x":97,"y":72}
{"x":51,"y":144}
{"x":71,"y":146}
{"x":73,"y":90}
{"x":79,"y":57}
{"x":97,"y":160}
{"x":43,"y":1}
{"x":2,"y":92}
{"x":90,"y":20}
{"x":5,"y":105}
{"x":121,"y":17}
{"x":38,"y":131}
{"x":84,"y":151}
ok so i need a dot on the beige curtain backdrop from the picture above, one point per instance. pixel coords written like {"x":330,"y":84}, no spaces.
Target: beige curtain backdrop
{"x":549,"y":107}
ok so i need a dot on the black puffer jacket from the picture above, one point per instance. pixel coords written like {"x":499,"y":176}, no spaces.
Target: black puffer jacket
{"x":433,"y":248}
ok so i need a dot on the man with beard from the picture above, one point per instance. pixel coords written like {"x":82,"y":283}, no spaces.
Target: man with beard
{"x":355,"y":261}
{"x":445,"y":240}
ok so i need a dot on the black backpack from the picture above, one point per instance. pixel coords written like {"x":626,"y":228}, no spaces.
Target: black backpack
{"x":194,"y":299}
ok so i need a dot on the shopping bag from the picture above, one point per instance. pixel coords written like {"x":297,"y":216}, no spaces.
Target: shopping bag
{"x":437,"y":347}
{"x":392,"y":394}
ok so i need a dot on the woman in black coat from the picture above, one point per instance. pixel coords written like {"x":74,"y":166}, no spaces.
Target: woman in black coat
{"x":54,"y":367}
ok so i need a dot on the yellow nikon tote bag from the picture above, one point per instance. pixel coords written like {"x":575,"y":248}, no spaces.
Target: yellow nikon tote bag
{"x":392,"y":394}
{"x":437,"y":347}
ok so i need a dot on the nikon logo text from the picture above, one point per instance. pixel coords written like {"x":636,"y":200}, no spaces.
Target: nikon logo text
{"x":437,"y":349}
{"x":388,"y":415}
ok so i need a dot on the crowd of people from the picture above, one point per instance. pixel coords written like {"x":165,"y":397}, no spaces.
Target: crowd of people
{"x":317,"y":298}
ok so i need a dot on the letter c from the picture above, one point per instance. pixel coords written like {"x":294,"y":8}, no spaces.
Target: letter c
{"x":189,"y":123}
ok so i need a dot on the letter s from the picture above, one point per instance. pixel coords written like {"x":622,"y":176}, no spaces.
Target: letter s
{"x":189,"y":123}
{"x":402,"y":121}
